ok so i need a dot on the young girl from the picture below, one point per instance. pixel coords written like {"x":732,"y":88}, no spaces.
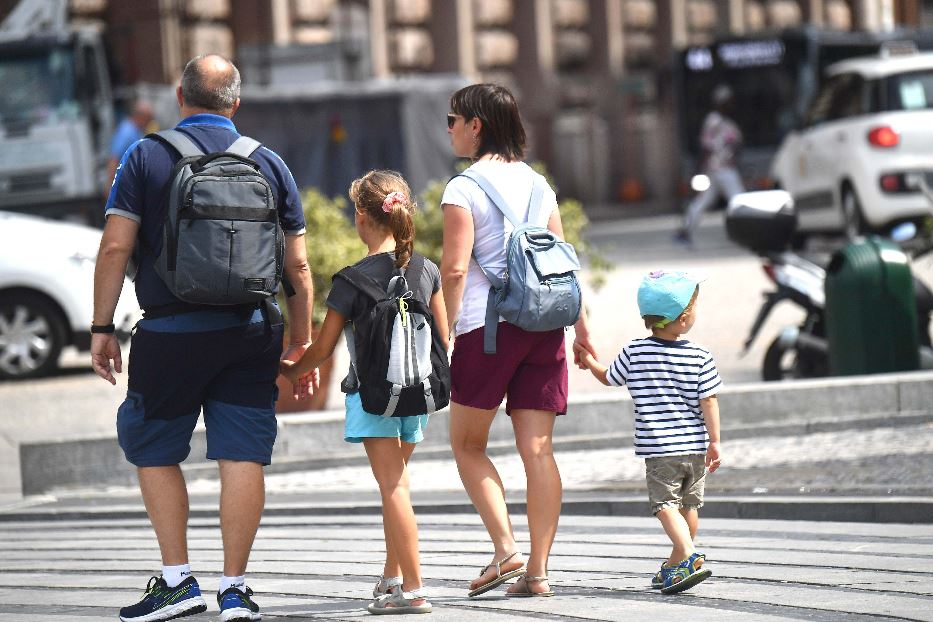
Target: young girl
{"x":384,"y":223}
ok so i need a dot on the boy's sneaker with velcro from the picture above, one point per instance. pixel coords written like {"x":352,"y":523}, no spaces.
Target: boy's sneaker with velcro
{"x":162,"y":602}
{"x":238,"y":606}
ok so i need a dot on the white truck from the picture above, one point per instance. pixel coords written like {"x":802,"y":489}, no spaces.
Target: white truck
{"x":56,"y":114}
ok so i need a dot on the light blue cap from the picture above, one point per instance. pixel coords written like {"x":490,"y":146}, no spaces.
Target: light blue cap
{"x":666,"y":293}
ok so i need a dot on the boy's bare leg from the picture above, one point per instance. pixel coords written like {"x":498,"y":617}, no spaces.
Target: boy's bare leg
{"x":692,"y":516}
{"x":676,"y":528}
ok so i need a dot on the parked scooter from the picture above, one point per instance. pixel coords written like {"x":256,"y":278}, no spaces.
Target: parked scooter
{"x":765,"y":222}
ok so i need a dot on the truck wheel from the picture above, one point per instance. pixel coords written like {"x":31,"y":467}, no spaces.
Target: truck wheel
{"x":853,"y":218}
{"x":32,"y":335}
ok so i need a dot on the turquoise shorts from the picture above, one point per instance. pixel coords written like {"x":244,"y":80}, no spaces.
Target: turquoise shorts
{"x":361,"y":424}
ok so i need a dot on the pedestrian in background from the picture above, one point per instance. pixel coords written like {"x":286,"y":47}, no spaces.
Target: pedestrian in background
{"x":129,"y":130}
{"x":222,"y":360}
{"x":528,"y":367}
{"x":720,"y":142}
{"x":673,"y":384}
{"x":384,"y":207}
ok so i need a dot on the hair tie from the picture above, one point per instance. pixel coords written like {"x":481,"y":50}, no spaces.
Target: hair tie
{"x":391,"y":200}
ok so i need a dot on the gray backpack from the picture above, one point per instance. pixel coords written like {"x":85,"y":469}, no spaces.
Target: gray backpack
{"x":222,"y":243}
{"x":539,"y":290}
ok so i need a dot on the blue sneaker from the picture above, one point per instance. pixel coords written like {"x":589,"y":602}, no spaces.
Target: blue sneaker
{"x":162,"y":602}
{"x":238,"y":606}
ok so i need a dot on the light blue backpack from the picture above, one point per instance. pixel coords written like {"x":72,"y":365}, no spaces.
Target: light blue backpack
{"x":539,"y":290}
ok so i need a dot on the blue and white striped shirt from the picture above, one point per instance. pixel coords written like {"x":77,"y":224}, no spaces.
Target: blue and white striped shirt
{"x":667,"y":380}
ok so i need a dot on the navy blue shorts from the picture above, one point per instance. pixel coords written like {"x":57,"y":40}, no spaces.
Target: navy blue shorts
{"x":229,"y":373}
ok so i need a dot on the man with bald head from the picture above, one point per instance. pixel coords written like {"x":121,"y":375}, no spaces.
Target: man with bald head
{"x":221,"y":360}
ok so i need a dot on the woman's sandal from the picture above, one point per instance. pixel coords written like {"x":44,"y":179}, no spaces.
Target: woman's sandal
{"x":500,"y":578}
{"x":523,"y":590}
{"x":387,"y":585}
{"x":400,"y":602}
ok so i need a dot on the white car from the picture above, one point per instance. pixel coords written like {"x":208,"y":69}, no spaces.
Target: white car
{"x":865,"y":142}
{"x":47,"y":293}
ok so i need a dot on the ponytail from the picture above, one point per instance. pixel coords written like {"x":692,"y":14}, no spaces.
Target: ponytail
{"x":385,"y":197}
{"x":403,"y":230}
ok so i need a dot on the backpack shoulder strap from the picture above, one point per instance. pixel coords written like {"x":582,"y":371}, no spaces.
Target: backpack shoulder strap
{"x":536,"y":199}
{"x":179,"y":142}
{"x":413,"y":272}
{"x":494,"y":197}
{"x":362,"y":282}
{"x":244,"y":146}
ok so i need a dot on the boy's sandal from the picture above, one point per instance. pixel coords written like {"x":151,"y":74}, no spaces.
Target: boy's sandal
{"x":686,"y":574}
{"x":523,"y":590}
{"x":657,"y":581}
{"x":400,"y":602}
{"x":386,"y":585}
{"x":500,"y":578}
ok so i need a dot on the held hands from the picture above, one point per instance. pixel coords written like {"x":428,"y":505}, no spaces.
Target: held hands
{"x":713,"y":456}
{"x":303,"y":385}
{"x":106,"y":348}
{"x":583,"y":353}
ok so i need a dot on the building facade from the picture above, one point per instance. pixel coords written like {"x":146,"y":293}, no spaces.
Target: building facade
{"x":593,"y":76}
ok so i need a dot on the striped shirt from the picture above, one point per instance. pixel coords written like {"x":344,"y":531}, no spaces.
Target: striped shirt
{"x":667,"y":380}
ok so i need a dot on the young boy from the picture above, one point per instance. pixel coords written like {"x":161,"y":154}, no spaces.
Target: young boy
{"x":673,"y":384}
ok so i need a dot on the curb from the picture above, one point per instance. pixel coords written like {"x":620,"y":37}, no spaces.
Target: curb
{"x":833,"y":509}
{"x":786,"y":408}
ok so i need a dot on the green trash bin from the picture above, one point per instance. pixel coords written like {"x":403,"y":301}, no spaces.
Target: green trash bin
{"x":871,"y":315}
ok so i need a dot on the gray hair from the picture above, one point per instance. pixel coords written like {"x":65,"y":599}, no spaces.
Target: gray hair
{"x":203,"y":86}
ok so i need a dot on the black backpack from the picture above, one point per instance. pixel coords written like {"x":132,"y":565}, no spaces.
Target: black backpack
{"x":395,"y":346}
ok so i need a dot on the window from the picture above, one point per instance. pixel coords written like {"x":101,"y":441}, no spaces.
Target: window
{"x":910,"y":91}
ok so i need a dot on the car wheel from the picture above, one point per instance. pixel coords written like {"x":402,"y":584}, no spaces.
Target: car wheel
{"x":32,"y":335}
{"x":853,"y":219}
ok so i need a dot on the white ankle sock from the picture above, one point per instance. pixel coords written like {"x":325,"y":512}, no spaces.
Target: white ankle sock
{"x":227,"y":582}
{"x":174,"y":575}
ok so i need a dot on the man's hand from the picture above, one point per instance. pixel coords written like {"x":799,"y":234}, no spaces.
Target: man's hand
{"x":106,"y":348}
{"x":304,"y":386}
{"x":713,"y":457}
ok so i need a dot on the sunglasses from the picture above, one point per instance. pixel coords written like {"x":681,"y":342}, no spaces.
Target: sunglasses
{"x":451,"y":119}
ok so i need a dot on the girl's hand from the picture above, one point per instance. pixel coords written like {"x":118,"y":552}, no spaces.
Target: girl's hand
{"x":303,"y":386}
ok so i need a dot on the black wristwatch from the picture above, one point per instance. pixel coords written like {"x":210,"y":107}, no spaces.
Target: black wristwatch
{"x":106,"y":329}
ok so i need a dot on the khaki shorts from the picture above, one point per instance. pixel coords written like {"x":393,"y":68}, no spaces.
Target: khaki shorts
{"x":675,"y":481}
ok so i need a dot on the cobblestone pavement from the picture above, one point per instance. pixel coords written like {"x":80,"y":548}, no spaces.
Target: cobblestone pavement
{"x":883,"y":458}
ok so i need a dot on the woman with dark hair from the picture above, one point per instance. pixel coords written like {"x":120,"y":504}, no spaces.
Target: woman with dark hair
{"x":528,"y":367}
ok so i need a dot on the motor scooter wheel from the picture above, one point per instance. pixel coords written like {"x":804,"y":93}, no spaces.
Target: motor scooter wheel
{"x":784,"y":361}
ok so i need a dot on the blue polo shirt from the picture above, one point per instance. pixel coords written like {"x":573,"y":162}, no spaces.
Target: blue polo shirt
{"x":127,"y":133}
{"x":142,"y":178}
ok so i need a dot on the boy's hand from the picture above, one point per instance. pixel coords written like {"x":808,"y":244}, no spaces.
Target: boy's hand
{"x":713,"y":457}
{"x":582,"y":357}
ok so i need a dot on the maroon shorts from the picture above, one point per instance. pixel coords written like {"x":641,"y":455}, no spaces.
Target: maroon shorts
{"x":531,"y":368}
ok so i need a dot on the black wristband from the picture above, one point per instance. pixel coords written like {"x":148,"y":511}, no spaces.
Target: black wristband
{"x":106,"y":329}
